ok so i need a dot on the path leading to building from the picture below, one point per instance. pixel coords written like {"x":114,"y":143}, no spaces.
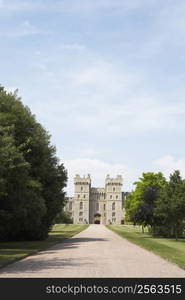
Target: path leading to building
{"x":94,"y":252}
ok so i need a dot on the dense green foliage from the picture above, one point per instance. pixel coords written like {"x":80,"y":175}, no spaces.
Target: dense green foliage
{"x":159,"y":204}
{"x":170,"y":207}
{"x":31,"y":178}
{"x":63,"y":217}
{"x":140,"y":203}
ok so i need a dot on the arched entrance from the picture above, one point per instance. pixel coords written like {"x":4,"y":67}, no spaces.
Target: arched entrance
{"x":97,"y":222}
{"x":97,"y":219}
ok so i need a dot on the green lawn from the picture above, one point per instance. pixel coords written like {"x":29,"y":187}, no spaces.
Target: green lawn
{"x":169,"y":249}
{"x":12,"y":251}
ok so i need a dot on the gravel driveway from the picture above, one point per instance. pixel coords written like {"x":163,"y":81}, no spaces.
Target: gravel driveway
{"x":94,"y":252}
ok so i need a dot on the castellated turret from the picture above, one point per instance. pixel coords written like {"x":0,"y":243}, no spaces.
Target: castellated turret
{"x":96,"y":205}
{"x":81,"y":199}
{"x":113,"y":187}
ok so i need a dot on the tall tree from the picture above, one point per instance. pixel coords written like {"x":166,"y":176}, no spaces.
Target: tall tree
{"x":170,"y":206}
{"x":141,"y":202}
{"x":31,"y":177}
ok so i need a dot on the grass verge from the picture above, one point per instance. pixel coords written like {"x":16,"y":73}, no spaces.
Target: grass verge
{"x":169,"y":249}
{"x":13,"y":251}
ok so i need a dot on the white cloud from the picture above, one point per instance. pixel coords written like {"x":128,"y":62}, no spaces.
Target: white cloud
{"x":98,"y":170}
{"x":168,"y":164}
{"x":10,"y":89}
{"x":89,"y":152}
{"x":74,"y":6}
{"x":21,"y":30}
{"x":12,"y":6}
{"x":73,"y":47}
{"x":117,"y":102}
{"x":37,"y":53}
{"x":104,"y":100}
{"x":102,"y":76}
{"x":40,"y":66}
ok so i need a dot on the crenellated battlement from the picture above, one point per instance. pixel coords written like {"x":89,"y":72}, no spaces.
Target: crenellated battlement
{"x":82,"y":180}
{"x":114,"y":181}
{"x":100,"y":191}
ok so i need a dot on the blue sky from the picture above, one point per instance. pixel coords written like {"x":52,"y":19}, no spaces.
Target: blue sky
{"x":105,"y":77}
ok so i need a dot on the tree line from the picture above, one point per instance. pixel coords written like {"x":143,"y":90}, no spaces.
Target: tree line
{"x":158,"y":203}
{"x":32,"y":179}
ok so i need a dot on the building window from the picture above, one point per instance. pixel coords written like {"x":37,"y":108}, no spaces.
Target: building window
{"x":113,"y":214}
{"x":78,"y":196}
{"x":97,"y":206}
{"x":110,"y":196}
{"x":81,"y":205}
{"x":113,"y":206}
{"x":81,"y":188}
{"x":80,"y":219}
{"x":70,"y":206}
{"x":113,"y":220}
{"x":104,"y":206}
{"x":81,"y":213}
{"x":116,"y":196}
{"x":114,"y":189}
{"x":84,"y":196}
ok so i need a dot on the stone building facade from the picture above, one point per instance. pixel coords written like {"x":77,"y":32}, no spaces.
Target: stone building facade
{"x":92,"y":205}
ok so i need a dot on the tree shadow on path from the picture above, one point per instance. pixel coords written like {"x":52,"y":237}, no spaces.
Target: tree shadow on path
{"x":39,"y":262}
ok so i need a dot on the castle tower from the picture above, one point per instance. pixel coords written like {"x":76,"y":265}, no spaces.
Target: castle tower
{"x":81,"y":199}
{"x":113,"y":188}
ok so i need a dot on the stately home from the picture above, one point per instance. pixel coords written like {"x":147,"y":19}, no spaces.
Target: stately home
{"x":92,"y":205}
